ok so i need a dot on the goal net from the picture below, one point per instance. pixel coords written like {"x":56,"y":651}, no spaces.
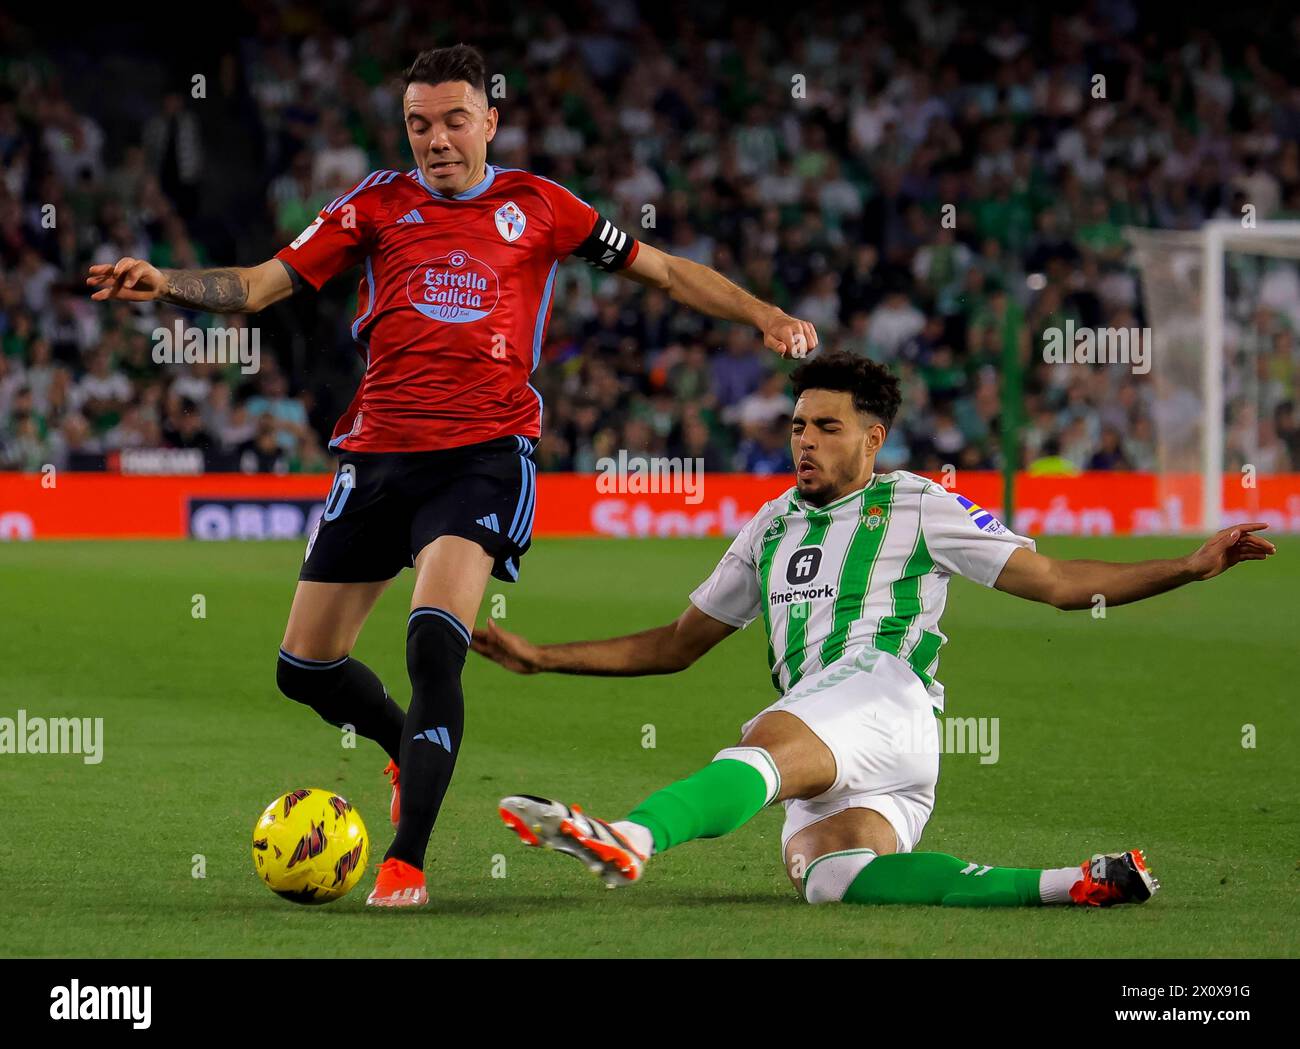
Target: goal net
{"x":1223,"y":307}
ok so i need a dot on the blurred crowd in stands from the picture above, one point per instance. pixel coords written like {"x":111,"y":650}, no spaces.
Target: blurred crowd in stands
{"x":920,"y":180}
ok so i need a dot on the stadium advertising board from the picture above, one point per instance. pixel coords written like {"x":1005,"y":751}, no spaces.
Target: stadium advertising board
{"x":259,"y":506}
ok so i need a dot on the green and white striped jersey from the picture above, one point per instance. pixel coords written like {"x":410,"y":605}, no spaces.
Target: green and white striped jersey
{"x":868,"y":570}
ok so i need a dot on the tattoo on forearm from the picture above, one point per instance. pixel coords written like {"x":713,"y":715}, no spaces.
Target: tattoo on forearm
{"x":221,"y":291}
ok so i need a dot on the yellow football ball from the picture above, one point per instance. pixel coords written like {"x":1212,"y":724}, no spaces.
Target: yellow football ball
{"x":310,"y":846}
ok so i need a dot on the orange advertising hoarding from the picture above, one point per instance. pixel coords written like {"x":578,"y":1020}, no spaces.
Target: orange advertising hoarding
{"x":264,"y":506}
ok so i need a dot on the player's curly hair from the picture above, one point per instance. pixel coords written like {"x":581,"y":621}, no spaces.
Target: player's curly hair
{"x":873,"y":388}
{"x":440,"y":64}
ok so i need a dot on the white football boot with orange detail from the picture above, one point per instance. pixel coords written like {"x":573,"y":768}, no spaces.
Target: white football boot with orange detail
{"x":1115,"y":877}
{"x":553,"y":825}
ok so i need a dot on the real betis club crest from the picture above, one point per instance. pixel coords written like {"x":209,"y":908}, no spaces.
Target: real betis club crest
{"x":874,"y":517}
{"x":510,"y":220}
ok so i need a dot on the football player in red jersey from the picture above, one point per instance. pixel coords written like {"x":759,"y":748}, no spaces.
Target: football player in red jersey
{"x":435,"y":470}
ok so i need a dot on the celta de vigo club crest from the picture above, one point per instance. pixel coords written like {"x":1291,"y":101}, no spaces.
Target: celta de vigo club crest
{"x":510,"y":221}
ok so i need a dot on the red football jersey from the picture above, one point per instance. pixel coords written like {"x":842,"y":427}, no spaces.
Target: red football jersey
{"x":454,"y":302}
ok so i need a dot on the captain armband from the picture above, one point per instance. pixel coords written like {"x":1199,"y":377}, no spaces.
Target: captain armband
{"x":606,"y":247}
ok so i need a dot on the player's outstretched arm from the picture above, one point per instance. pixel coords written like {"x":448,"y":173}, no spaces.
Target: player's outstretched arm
{"x":237,"y":289}
{"x":1076,"y":584}
{"x":710,"y":292}
{"x":663,"y":650}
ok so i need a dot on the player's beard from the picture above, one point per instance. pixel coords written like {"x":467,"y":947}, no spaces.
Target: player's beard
{"x":826,"y":488}
{"x":819,"y":492}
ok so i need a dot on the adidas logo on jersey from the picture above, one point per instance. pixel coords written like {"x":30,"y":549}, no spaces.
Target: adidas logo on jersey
{"x":490,"y":522}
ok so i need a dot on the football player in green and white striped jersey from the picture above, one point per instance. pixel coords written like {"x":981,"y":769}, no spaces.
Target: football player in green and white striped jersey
{"x":849,"y":570}
{"x":867,"y":570}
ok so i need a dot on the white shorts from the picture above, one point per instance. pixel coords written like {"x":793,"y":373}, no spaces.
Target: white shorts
{"x":876,"y":717}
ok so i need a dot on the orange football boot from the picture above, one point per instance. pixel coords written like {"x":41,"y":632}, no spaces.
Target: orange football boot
{"x":398,"y":885}
{"x":394,"y":806}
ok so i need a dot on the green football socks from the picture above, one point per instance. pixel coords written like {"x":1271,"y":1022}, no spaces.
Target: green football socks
{"x":722,"y":796}
{"x":931,"y":878}
{"x":740,"y":781}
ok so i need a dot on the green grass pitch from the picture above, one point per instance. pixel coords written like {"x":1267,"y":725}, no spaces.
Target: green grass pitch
{"x":1116,"y":732}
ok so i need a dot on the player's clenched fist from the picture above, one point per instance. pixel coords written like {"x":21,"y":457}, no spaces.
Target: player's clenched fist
{"x":134,"y":280}
{"x":789,"y":336}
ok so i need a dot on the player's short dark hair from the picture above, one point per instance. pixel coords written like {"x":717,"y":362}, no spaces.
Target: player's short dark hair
{"x":441,"y":64}
{"x":873,"y":388}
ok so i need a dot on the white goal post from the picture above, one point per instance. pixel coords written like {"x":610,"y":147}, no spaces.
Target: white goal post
{"x":1199,"y":288}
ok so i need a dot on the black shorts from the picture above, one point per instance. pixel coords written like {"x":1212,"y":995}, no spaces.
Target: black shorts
{"x":385,"y":507}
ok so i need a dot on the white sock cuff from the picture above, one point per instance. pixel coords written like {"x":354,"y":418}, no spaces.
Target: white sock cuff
{"x":638,"y":836}
{"x":1054,"y":884}
{"x":828,"y":877}
{"x":758,"y":759}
